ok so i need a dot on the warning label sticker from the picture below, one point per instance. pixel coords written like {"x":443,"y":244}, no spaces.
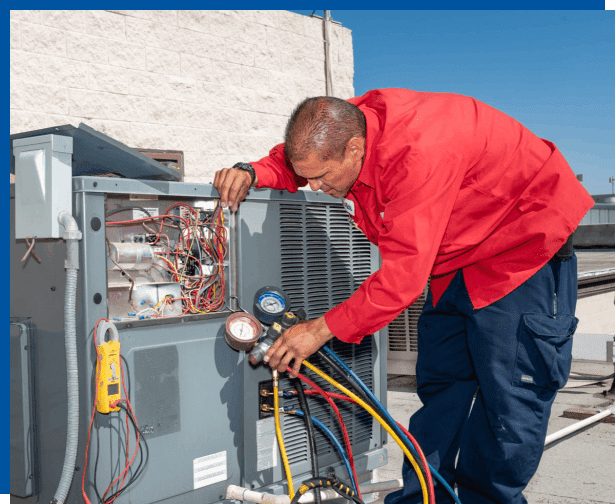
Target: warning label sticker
{"x":209,"y":470}
{"x":266,"y":444}
{"x":139,"y":214}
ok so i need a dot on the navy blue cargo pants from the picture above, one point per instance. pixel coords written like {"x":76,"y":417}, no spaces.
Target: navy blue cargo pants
{"x":514,"y":354}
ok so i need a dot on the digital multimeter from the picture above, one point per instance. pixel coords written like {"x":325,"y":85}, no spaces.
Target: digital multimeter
{"x":108,"y":371}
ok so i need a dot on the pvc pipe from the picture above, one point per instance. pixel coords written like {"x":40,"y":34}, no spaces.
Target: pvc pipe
{"x":328,"y":73}
{"x":243,"y":494}
{"x":579,"y":425}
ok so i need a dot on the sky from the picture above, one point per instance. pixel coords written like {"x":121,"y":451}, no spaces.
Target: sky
{"x":554,"y":71}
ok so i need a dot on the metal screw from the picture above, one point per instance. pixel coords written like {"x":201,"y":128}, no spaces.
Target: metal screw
{"x":53,"y":288}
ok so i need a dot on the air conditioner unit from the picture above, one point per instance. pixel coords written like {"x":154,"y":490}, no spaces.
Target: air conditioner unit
{"x":403,"y":338}
{"x":193,"y":395}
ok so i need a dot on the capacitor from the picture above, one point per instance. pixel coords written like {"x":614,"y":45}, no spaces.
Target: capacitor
{"x":131,"y":256}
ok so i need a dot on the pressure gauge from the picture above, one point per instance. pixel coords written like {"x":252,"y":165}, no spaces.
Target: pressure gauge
{"x":242,"y":331}
{"x":270,"y":303}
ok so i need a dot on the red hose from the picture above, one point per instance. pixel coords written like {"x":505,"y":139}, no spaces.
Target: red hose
{"x":325,"y":395}
{"x":432,"y":495}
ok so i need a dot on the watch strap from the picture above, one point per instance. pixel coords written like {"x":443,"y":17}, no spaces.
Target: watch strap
{"x":247,"y":167}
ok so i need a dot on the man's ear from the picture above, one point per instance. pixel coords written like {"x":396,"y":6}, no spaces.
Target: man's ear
{"x":355,"y":148}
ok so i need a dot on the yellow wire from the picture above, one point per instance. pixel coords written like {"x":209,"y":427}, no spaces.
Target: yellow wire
{"x":278,"y":430}
{"x":169,"y":263}
{"x":380,"y":421}
{"x":189,"y":250}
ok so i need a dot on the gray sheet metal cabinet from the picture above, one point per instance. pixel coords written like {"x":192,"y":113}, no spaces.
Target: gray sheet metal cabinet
{"x":195,"y":398}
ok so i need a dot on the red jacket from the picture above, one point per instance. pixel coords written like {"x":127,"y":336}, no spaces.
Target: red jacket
{"x":447,"y":183}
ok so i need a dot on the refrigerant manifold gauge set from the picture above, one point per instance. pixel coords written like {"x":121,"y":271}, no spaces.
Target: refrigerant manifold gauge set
{"x":256,"y":333}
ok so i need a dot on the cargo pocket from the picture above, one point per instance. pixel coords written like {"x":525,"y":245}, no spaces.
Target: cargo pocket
{"x":544,"y":353}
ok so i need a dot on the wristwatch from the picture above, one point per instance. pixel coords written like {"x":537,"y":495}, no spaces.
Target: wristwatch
{"x":247,"y":167}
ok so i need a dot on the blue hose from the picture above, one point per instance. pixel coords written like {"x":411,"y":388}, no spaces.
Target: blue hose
{"x":389,"y":418}
{"x":337,"y":445}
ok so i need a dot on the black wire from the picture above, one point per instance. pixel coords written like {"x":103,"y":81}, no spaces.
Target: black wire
{"x":122,"y":209}
{"x":309,"y":425}
{"x":361,"y":393}
{"x":142,"y":463}
{"x":128,"y":375}
{"x":141,"y":466}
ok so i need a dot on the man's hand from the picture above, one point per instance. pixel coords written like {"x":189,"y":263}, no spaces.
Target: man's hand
{"x":233,"y":186}
{"x":298,"y":342}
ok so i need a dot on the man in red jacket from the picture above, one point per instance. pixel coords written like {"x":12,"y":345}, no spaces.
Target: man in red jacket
{"x":454,"y":191}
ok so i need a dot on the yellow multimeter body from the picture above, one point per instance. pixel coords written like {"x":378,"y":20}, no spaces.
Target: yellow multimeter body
{"x":109,"y":376}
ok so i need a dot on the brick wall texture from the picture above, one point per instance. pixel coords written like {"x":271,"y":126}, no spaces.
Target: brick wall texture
{"x":218,"y":85}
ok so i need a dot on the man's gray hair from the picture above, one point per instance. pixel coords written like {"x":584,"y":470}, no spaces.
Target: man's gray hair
{"x":323,"y":125}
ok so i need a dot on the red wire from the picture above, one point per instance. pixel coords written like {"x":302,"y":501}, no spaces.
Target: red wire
{"x":125,"y":471}
{"x":87,"y":445}
{"x":325,"y":395}
{"x":430,"y":486}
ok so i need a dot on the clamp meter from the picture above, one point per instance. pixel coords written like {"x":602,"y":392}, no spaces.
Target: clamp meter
{"x":108,"y":368}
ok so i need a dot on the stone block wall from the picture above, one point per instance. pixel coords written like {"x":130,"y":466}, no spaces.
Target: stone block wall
{"x":218,"y":85}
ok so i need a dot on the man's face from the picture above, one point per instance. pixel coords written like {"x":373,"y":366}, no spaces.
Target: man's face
{"x":334,"y":177}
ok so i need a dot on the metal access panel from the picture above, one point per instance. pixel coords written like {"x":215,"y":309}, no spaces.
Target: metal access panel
{"x":195,"y":398}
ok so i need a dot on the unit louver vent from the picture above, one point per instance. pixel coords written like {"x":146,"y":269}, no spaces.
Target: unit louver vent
{"x":324,"y":260}
{"x":403,"y":335}
{"x":324,"y":257}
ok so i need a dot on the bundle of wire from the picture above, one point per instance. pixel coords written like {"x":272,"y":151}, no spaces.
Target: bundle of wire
{"x":125,"y":406}
{"x":427,"y":488}
{"x":201,"y":245}
{"x":428,"y":494}
{"x":371,"y":404}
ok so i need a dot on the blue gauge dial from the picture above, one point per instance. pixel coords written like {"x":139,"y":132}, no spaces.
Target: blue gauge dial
{"x":270,"y":303}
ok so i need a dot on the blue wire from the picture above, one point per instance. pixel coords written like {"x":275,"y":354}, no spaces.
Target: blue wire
{"x":337,"y":445}
{"x":392,"y":422}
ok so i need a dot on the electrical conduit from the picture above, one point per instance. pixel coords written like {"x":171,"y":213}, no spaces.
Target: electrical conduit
{"x":579,"y":425}
{"x":72,"y":235}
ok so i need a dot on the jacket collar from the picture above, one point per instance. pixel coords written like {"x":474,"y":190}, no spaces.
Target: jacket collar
{"x":367,"y":173}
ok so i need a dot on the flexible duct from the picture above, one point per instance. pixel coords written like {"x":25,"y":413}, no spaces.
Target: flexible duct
{"x":72,"y":235}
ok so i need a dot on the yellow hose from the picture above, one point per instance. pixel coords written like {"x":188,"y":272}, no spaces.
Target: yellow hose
{"x":278,"y":431}
{"x":367,"y":408}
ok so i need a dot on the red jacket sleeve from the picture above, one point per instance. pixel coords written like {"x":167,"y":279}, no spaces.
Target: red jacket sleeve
{"x":421,"y":171}
{"x":276,"y":171}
